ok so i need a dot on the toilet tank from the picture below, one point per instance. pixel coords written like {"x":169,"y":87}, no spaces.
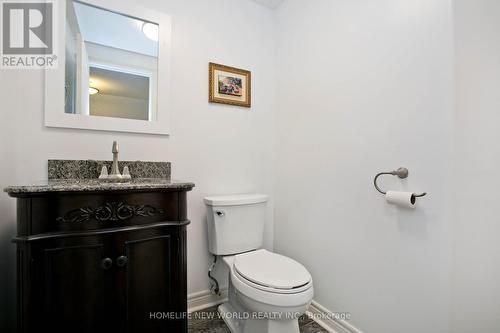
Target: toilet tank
{"x":235,"y":222}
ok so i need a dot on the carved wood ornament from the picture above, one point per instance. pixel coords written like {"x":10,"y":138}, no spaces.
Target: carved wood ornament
{"x":110,"y":211}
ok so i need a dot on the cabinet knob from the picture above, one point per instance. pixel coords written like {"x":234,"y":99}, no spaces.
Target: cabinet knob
{"x":106,"y":263}
{"x":121,"y":261}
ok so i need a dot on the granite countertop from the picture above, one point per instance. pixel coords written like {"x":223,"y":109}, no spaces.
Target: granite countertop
{"x":95,"y":185}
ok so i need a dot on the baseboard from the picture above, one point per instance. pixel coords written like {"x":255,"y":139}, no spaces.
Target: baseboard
{"x":325,"y":319}
{"x":205,"y":299}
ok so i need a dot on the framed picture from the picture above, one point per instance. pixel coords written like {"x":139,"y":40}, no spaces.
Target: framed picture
{"x":229,"y":85}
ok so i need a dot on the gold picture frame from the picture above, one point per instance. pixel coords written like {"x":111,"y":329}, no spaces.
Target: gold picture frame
{"x":229,"y":85}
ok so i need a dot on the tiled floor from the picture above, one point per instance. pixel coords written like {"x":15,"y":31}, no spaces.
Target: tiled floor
{"x":209,"y":321}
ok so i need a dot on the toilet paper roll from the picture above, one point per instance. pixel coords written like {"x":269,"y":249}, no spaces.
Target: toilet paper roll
{"x":402,"y":199}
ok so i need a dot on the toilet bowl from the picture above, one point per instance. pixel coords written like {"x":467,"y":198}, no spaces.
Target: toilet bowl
{"x":268,"y":292}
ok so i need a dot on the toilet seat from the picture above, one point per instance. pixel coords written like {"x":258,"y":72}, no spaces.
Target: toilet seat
{"x":271,"y":272}
{"x":254,"y":293}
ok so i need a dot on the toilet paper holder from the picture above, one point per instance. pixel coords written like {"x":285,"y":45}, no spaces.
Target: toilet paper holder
{"x":401,"y":173}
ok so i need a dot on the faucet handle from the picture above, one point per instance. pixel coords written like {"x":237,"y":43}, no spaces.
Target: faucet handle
{"x":126,"y":173}
{"x":104,"y":173}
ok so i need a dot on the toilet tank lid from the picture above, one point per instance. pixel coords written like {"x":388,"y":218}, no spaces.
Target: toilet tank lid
{"x":235,"y":199}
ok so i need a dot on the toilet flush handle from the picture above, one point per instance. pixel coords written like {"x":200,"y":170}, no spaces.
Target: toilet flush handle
{"x":220,"y":213}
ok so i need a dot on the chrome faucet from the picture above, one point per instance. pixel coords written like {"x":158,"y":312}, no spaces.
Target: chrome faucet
{"x":115,"y":171}
{"x":115,"y":175}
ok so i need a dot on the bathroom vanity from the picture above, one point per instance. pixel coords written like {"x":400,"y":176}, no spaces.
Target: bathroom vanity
{"x":95,"y":256}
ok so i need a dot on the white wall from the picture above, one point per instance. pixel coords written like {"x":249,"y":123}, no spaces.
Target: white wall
{"x":476,"y":269}
{"x":366,"y":86}
{"x":222,"y":149}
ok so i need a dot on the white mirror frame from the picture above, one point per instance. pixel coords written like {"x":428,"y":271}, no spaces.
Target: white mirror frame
{"x":55,"y":78}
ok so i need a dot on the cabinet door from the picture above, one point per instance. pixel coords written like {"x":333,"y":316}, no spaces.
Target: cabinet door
{"x":151,"y":275}
{"x":71,"y":284}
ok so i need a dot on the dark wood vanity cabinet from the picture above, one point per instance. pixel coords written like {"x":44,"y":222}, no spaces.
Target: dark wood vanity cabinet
{"x":89,"y":262}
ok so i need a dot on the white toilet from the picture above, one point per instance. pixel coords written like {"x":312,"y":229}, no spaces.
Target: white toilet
{"x":267,"y":291}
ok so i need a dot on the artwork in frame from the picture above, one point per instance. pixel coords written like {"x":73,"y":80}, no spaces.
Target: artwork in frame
{"x":229,"y":85}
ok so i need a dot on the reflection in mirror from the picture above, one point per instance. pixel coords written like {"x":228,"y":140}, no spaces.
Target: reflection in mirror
{"x":111,"y":64}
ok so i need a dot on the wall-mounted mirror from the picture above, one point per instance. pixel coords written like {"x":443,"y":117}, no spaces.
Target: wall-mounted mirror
{"x":111,"y":64}
{"x":115,"y":69}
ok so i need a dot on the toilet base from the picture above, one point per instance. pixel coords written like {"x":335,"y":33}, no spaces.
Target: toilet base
{"x":241,"y":320}
{"x":236,"y":322}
